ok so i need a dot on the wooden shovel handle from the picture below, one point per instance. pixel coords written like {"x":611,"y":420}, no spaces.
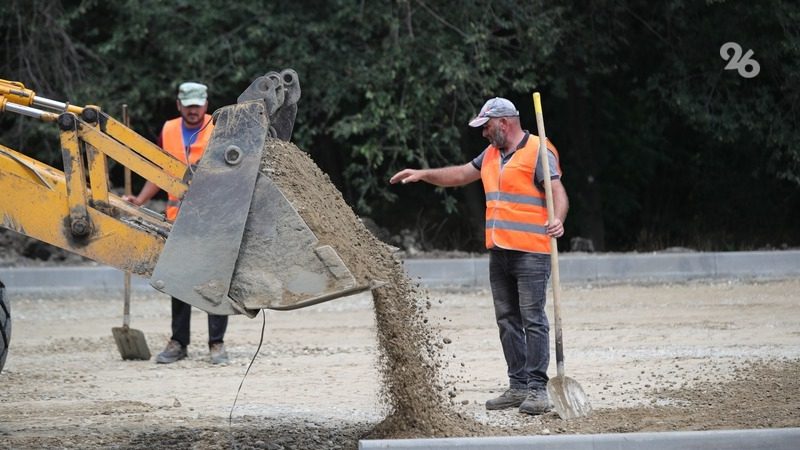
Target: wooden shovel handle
{"x":548,"y":189}
{"x":126,"y":120}
{"x":126,"y":311}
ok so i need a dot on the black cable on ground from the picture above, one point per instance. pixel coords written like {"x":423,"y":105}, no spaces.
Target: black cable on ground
{"x":260,"y":341}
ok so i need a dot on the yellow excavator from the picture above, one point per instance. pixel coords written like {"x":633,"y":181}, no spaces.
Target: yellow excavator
{"x":208,"y":256}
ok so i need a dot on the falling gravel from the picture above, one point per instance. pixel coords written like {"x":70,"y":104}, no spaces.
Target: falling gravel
{"x":415,"y":394}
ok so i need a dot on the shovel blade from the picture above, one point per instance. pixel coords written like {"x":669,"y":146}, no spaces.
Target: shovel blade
{"x":131,"y":343}
{"x":568,"y":398}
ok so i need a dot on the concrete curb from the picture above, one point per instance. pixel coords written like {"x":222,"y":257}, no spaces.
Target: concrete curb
{"x":472,"y":273}
{"x":621,"y":267}
{"x":774,"y":439}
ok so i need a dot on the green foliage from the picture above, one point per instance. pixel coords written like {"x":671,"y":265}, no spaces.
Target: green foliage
{"x":660,"y":145}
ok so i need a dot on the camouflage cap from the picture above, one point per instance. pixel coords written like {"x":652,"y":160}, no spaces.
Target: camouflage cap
{"x":192,"y":94}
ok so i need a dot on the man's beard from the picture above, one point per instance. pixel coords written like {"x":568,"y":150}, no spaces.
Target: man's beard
{"x":498,"y":139}
{"x":194,"y":120}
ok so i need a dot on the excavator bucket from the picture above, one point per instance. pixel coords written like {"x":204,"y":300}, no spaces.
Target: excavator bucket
{"x":238,"y":245}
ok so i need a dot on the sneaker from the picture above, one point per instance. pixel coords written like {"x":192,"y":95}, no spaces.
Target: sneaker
{"x":218,"y":353}
{"x":173,"y":352}
{"x":511,"y":398}
{"x":538,"y":402}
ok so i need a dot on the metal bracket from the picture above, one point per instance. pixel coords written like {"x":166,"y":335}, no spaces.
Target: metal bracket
{"x":198,"y":260}
{"x":280,"y":93}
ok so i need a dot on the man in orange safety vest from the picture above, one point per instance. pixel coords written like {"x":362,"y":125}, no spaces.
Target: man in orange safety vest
{"x":186,"y":138}
{"x":518,"y":239}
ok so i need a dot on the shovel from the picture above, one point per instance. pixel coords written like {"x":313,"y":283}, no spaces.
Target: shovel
{"x":567,"y":396}
{"x":130,"y":342}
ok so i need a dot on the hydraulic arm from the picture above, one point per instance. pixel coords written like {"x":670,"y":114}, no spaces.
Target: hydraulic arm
{"x":199,"y":258}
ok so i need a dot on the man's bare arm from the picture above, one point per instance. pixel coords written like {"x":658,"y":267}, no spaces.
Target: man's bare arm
{"x":149,"y":190}
{"x":560,"y":209}
{"x":444,"y":176}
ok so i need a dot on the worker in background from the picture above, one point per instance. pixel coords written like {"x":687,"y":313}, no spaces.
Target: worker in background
{"x":182,"y":137}
{"x":518,"y":238}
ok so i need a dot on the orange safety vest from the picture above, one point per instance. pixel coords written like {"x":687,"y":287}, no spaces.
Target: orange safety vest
{"x":516,"y":210}
{"x":172,"y":143}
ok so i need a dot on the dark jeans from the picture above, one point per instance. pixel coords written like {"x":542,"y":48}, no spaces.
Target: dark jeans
{"x":519,"y":289}
{"x":182,"y":319}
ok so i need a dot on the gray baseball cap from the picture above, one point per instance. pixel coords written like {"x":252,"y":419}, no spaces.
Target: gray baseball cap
{"x":496,"y":107}
{"x":192,"y":94}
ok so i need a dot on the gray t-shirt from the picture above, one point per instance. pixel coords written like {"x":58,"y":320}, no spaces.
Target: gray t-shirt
{"x":555,"y":174}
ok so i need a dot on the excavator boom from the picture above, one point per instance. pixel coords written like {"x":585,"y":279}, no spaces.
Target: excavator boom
{"x":237,"y":245}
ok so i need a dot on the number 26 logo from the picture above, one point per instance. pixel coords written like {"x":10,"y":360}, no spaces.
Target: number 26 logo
{"x":739,"y":62}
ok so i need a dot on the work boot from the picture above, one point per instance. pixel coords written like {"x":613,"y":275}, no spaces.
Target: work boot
{"x":173,"y":352}
{"x":511,"y":398}
{"x":218,"y":353}
{"x":538,"y":402}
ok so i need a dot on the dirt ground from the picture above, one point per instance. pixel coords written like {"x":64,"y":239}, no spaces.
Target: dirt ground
{"x":694,"y":356}
{"x":651,"y":358}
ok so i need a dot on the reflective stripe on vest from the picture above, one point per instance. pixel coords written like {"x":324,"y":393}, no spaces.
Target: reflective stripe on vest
{"x":172,"y":143}
{"x":513,"y":198}
{"x":516,"y":210}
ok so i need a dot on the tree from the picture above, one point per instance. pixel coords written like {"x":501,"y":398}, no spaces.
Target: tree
{"x":659,"y":143}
